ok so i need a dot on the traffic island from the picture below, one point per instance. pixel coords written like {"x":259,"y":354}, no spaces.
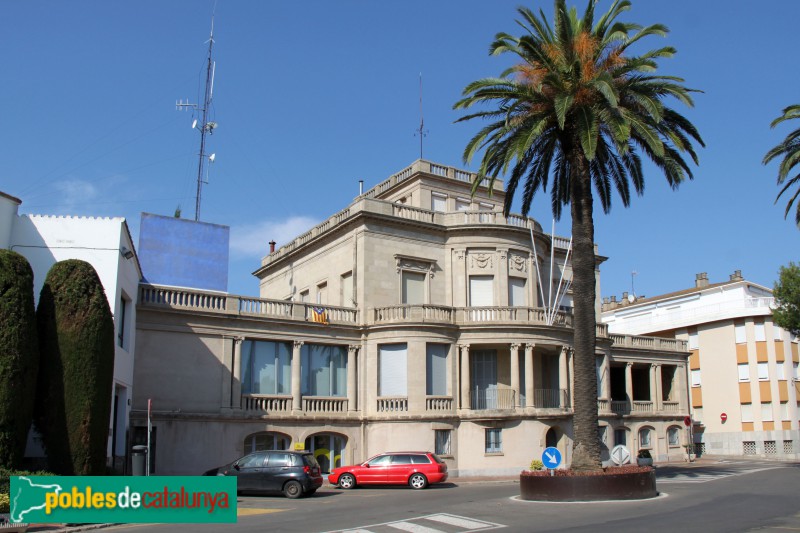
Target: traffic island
{"x":613,"y":483}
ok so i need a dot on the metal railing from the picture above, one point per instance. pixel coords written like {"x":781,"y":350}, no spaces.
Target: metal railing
{"x":501,"y":399}
{"x":551,"y":398}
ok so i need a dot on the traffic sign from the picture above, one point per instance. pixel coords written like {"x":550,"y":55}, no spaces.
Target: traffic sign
{"x":551,"y":458}
{"x":687,"y":421}
{"x":620,"y":455}
{"x":723,"y":417}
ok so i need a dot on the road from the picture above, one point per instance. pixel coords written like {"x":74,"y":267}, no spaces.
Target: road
{"x":724,"y":496}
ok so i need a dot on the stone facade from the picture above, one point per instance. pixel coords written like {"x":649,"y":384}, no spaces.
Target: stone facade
{"x":419,"y":317}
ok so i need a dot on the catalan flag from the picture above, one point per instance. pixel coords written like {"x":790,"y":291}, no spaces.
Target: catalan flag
{"x":318,"y":315}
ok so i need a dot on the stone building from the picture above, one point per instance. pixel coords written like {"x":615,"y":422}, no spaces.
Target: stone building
{"x":418,"y":317}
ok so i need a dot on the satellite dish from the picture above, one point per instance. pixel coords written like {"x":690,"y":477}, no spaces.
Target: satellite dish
{"x":194,"y":123}
{"x":212,"y":157}
{"x":631,"y":298}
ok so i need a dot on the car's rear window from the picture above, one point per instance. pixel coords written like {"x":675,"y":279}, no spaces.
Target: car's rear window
{"x":310,"y":460}
{"x":437,"y":459}
{"x":420,"y":459}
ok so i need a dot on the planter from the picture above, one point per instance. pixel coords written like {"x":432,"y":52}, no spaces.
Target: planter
{"x":644,"y":461}
{"x":592,"y":487}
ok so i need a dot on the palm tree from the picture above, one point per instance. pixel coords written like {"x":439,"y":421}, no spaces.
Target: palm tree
{"x":577,"y":110}
{"x":790,"y":150}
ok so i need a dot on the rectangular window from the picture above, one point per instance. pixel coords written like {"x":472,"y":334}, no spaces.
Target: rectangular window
{"x":785,"y":411}
{"x":516,"y":292}
{"x":436,"y":369}
{"x":481,"y":292}
{"x":763,"y":371}
{"x":304,"y":296}
{"x":741,"y":334}
{"x":673,"y":436}
{"x":795,"y":371}
{"x":777,"y":333}
{"x":620,"y":437}
{"x":494,"y":440}
{"x":322,"y":293}
{"x":698,"y":414}
{"x":121,"y":326}
{"x":747,"y":412}
{"x":760,"y":334}
{"x":602,"y":431}
{"x":780,"y":369}
{"x":693,"y":341}
{"x":442,"y":445}
{"x":439,"y":202}
{"x":266,"y":367}
{"x":766,"y":412}
{"x":413,"y":288}
{"x":323,"y":370}
{"x":347,"y":290}
{"x":696,"y":378}
{"x":744,"y":372}
{"x":393,"y":368}
{"x":462,"y":204}
{"x":644,"y":438}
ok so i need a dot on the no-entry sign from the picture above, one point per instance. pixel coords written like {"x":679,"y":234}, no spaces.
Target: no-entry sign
{"x":687,"y":421}
{"x":723,"y":417}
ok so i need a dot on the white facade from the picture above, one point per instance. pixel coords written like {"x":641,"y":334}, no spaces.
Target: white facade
{"x":742,"y":368}
{"x":106,"y":244}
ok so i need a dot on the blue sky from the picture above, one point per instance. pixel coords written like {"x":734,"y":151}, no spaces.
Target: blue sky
{"x":312,"y":96}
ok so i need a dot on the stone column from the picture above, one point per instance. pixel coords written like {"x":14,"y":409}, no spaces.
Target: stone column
{"x":529,"y":385}
{"x":629,"y":384}
{"x":562,"y":373}
{"x":352,"y":352}
{"x":236,"y":386}
{"x":658,"y":405}
{"x":296,"y":399}
{"x":606,"y":368}
{"x":515,"y":374}
{"x":464,"y":404}
{"x":502,"y":274}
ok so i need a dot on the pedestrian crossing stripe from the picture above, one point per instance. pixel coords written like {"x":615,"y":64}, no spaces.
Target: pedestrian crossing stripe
{"x":429,"y":524}
{"x":705,"y":478}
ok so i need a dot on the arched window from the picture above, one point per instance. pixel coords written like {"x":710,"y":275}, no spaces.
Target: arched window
{"x":674,"y":436}
{"x":645,"y":438}
{"x":266,"y":441}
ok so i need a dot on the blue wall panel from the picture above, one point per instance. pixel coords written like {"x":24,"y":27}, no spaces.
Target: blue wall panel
{"x":184,"y":253}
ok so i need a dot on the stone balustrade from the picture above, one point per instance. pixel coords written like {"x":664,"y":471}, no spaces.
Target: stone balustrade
{"x":649,"y":343}
{"x":266,"y":404}
{"x":439,"y":403}
{"x":392,"y":404}
{"x":324,"y":404}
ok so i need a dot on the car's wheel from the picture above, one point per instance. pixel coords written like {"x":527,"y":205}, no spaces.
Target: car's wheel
{"x":293,"y":490}
{"x":347,"y":481}
{"x":418,"y":481}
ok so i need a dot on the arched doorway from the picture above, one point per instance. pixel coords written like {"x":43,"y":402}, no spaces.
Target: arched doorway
{"x":551,"y":438}
{"x":266,"y":440}
{"x":328,"y":448}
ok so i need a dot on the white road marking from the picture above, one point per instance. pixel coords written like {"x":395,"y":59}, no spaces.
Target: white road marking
{"x":413,"y":528}
{"x":472,"y":525}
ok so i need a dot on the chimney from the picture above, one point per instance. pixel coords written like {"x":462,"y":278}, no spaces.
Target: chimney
{"x":271,"y":246}
{"x":360,"y":187}
{"x":701,"y":279}
{"x":737,"y":275}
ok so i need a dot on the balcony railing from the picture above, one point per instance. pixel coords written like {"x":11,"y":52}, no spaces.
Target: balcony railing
{"x":392,"y":404}
{"x":650,"y":343}
{"x":470,"y":315}
{"x":266,"y":404}
{"x":439,"y":403}
{"x":620,"y":407}
{"x":324,"y":404}
{"x":642,"y":407}
{"x":500,"y":399}
{"x":671,"y":407}
{"x":550,"y":398}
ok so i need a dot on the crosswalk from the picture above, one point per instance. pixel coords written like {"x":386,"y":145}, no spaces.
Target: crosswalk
{"x":712,"y":474}
{"x":434,"y":523}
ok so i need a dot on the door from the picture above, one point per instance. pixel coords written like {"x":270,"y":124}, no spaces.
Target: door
{"x":401,"y":469}
{"x":278,"y":469}
{"x":328,"y":449}
{"x":376,"y":470}
{"x":249,"y":470}
{"x":484,"y":379}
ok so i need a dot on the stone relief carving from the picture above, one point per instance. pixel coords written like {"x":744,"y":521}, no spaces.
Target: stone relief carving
{"x":517,"y":263}
{"x":481,"y":261}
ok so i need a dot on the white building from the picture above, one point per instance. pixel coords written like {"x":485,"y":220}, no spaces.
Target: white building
{"x":743,"y":368}
{"x":106,"y":244}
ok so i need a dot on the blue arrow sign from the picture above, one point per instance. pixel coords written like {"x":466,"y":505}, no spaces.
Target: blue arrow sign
{"x":551,"y":458}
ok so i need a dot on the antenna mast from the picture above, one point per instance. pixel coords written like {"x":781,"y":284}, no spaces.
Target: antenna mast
{"x":421,"y":131}
{"x":204,"y":126}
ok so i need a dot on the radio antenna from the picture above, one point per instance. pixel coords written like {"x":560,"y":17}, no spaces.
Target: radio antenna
{"x":204,"y":126}
{"x":421,"y":131}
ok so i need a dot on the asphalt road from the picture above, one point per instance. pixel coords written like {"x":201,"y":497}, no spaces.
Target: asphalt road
{"x":726,"y":496}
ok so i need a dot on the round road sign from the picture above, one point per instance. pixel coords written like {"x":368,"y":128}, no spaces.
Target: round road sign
{"x":687,"y":421}
{"x":723,"y":417}
{"x":620,"y":455}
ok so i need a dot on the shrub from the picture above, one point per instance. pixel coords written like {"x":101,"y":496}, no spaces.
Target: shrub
{"x":644,"y":454}
{"x":76,"y":344}
{"x":609,"y":471}
{"x":536,"y":464}
{"x":4,"y":503}
{"x":5,"y":484}
{"x":19,"y":356}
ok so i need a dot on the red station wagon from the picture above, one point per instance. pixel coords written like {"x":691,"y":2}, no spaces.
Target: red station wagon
{"x":416,"y":469}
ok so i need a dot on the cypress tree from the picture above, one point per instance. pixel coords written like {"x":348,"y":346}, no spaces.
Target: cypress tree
{"x":76,"y":340}
{"x":19,"y":356}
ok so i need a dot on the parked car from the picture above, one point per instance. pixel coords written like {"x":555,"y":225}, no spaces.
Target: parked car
{"x":294,"y":474}
{"x":416,"y":469}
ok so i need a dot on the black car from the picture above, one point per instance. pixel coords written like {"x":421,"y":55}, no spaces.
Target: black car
{"x":294,"y":474}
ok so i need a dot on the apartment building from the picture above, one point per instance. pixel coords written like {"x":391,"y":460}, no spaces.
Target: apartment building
{"x":418,"y":317}
{"x":743,"y":368}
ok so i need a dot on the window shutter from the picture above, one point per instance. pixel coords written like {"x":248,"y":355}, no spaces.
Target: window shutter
{"x":437,"y":369}
{"x":439,"y":202}
{"x":480,"y":291}
{"x":413,"y":288}
{"x":516,"y":292}
{"x":393,"y":370}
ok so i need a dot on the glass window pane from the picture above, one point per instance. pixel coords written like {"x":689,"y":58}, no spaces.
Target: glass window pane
{"x":693,"y":341}
{"x":744,"y":372}
{"x":759,"y":332}
{"x":696,"y":378}
{"x":740,"y":332}
{"x":766,"y":412}
{"x":442,"y":442}
{"x":763,"y":371}
{"x":672,"y":436}
{"x":747,"y":412}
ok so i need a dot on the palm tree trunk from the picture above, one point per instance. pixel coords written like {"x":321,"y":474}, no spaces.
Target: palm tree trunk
{"x":586,"y":437}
